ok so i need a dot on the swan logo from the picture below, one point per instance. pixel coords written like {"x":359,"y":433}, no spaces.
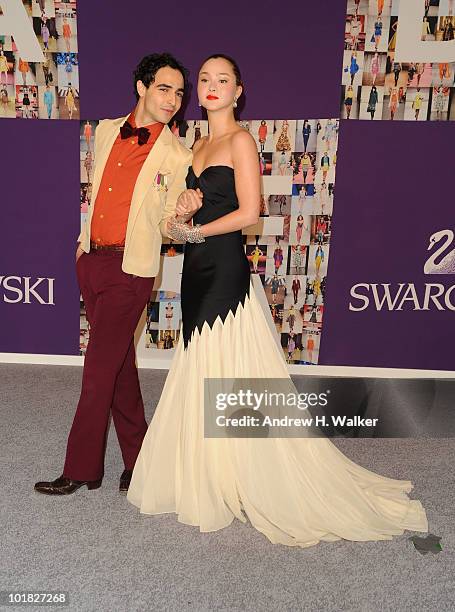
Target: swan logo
{"x":446,"y":264}
{"x":409,"y":296}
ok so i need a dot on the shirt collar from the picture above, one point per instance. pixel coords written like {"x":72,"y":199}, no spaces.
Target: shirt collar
{"x":153,"y":128}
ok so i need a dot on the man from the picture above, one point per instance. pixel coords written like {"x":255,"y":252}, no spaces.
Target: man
{"x":140,"y":170}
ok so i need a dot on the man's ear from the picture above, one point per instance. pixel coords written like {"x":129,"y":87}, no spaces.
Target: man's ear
{"x":141,"y":89}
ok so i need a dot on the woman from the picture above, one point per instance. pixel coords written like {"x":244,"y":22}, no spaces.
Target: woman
{"x":48,"y":99}
{"x":296,"y":286}
{"x":45,"y":32}
{"x":197,"y":132}
{"x":426,"y":30}
{"x":46,"y":66}
{"x":439,"y":102}
{"x":323,"y":196}
{"x":396,"y":71}
{"x":325,"y":166}
{"x":411,"y":72}
{"x":3,"y":67}
{"x":25,"y":105}
{"x":277,"y":257}
{"x":291,"y":318}
{"x":282,"y":164}
{"x":291,"y":347}
{"x":88,"y":164}
{"x":444,"y":71}
{"x":417,"y":104}
{"x":305,"y":163}
{"x":310,"y":348}
{"x":393,"y":38}
{"x":295,"y":491}
{"x":297,"y":259}
{"x":420,"y":68}
{"x":448,"y":32}
{"x":67,"y":33}
{"x":355,"y":28}
{"x":262,"y":134}
{"x":283,"y":143}
{"x":306,"y":133}
{"x":88,"y":133}
{"x":375,"y":67}
{"x":318,"y":259}
{"x":255,"y":257}
{"x":377,"y":33}
{"x":4,"y":99}
{"x":24,"y":69}
{"x":70,"y":101}
{"x":393,"y":102}
{"x":299,"y":227}
{"x":321,"y":229}
{"x":353,"y":67}
{"x":348,"y":101}
{"x":169,"y":313}
{"x":372,"y":101}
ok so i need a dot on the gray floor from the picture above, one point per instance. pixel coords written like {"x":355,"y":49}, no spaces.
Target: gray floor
{"x":97,"y":546}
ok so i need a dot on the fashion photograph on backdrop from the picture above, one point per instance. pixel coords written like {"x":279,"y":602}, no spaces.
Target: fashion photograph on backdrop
{"x":234,"y":390}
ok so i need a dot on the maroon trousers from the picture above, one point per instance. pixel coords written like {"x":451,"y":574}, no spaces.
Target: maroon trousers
{"x":114,"y":303}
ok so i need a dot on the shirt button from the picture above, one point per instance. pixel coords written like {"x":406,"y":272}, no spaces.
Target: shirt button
{"x":101,"y":216}
{"x":98,"y":239}
{"x":119,"y":164}
{"x":110,"y":189}
{"x":132,"y":142}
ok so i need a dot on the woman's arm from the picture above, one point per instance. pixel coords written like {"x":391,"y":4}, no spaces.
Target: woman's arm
{"x":247,"y":187}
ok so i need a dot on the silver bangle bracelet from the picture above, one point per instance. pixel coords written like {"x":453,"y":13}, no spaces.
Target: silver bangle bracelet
{"x":181,"y":231}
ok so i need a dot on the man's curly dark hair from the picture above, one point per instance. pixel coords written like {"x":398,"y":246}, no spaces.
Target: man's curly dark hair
{"x":149,"y":66}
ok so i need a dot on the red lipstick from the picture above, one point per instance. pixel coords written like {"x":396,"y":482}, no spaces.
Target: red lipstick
{"x":210,"y":97}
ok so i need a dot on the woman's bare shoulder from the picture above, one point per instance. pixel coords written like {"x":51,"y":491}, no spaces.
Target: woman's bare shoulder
{"x":243,"y":142}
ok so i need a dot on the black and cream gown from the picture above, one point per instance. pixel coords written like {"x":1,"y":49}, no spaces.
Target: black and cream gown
{"x":296,"y":491}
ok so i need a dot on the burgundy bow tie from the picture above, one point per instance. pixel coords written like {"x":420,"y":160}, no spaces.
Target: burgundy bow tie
{"x":142,"y":133}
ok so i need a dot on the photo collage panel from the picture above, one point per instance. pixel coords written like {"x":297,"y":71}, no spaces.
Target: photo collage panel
{"x":48,"y":89}
{"x":374,"y":85}
{"x":288,"y":248}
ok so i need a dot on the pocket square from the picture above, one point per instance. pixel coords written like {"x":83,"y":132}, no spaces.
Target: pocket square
{"x":160,"y":181}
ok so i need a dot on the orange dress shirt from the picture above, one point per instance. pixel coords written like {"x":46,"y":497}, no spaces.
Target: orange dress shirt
{"x":113,"y":201}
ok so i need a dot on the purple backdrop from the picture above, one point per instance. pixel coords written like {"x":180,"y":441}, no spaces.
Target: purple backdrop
{"x":290,"y":56}
{"x":39,"y":219}
{"x":393,"y":190}
{"x":392,"y":186}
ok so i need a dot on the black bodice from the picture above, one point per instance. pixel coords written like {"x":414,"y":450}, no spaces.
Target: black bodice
{"x":216,"y":273}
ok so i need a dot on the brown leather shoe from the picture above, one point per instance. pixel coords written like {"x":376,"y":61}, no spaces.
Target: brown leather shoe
{"x":65,"y":486}
{"x":125,"y":480}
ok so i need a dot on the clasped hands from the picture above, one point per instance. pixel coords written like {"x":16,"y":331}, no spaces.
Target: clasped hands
{"x":189,"y":201}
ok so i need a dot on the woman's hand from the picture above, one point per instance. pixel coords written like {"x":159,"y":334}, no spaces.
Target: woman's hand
{"x":189,"y":201}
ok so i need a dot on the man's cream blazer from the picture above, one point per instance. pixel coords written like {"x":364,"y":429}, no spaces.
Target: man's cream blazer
{"x":151,"y":203}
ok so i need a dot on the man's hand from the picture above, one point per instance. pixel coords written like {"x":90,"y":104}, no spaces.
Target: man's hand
{"x":189,"y":201}
{"x":79,"y":252}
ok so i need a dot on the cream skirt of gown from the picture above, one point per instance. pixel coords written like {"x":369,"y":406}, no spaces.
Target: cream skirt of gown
{"x":296,"y":491}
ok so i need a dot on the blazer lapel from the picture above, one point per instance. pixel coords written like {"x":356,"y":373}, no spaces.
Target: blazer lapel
{"x":148,"y":172}
{"x":103,"y":153}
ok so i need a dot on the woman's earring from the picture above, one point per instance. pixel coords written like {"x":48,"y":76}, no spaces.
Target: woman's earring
{"x":235,"y":103}
{"x":199,"y":104}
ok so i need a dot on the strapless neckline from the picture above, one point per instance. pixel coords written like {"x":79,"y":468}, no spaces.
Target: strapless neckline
{"x":208,"y":168}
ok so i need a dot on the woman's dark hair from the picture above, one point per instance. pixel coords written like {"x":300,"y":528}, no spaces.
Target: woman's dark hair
{"x":228,"y":58}
{"x":149,"y":66}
